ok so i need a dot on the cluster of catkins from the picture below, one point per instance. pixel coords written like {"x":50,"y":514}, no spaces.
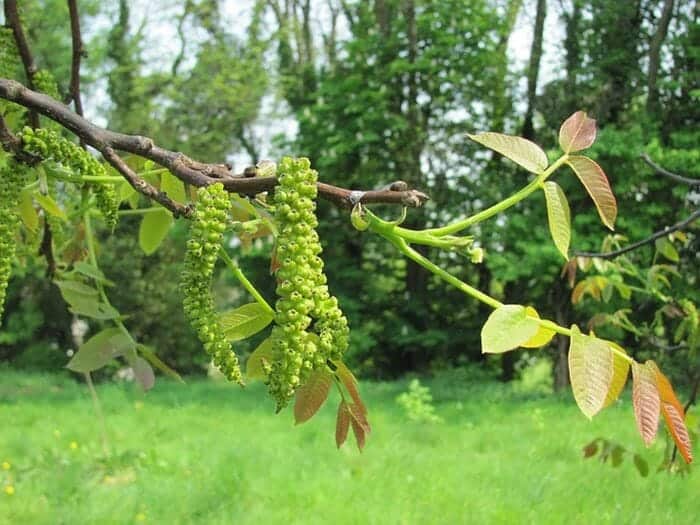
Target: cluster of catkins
{"x":310,"y":327}
{"x":12,"y":179}
{"x":208,"y":225}
{"x":50,"y":145}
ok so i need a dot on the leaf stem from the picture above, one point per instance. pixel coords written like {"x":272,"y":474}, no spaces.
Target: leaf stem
{"x":238,"y":273}
{"x":500,"y":206}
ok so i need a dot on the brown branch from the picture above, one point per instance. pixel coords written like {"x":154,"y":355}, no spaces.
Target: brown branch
{"x":186,"y":169}
{"x":673,"y":176}
{"x":78,"y":53}
{"x":142,"y":186}
{"x":12,"y":20}
{"x":670,"y":229}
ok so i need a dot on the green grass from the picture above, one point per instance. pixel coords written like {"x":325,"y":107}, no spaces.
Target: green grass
{"x":210,"y":453}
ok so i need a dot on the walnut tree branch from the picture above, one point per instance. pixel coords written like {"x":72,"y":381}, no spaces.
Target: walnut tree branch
{"x":663,"y":171}
{"x":648,"y":240}
{"x":12,"y":20}
{"x":186,"y":169}
{"x":78,"y":54}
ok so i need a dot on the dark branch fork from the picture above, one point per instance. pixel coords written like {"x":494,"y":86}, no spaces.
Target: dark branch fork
{"x":186,"y":169}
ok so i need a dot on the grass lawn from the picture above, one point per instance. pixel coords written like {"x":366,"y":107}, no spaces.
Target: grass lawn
{"x":208,"y":452}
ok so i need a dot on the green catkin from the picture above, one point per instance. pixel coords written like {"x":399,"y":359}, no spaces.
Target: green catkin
{"x":209,"y":222}
{"x":50,"y":145}
{"x":310,"y":328}
{"x":12,"y":179}
{"x":46,"y":83}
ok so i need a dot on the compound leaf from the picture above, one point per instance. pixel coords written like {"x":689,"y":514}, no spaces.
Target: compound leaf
{"x":558,"y":216}
{"x":577,"y":132}
{"x":521,"y":151}
{"x":596,"y":183}
{"x":590,"y":370}
{"x":508,"y":327}
{"x":348,"y":379}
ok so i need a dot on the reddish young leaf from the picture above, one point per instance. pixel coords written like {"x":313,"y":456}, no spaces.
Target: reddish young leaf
{"x":645,"y":399}
{"x":359,"y":417}
{"x":674,"y":415}
{"x":312,"y":394}
{"x":359,"y":432}
{"x":348,"y":379}
{"x":596,"y":183}
{"x":577,"y":132}
{"x":342,"y":424}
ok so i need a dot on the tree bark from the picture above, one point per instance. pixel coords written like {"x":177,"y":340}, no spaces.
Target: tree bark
{"x":655,"y":57}
{"x":533,"y":69}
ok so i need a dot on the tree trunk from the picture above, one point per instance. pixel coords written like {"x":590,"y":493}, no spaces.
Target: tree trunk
{"x":655,"y":57}
{"x":533,"y":68}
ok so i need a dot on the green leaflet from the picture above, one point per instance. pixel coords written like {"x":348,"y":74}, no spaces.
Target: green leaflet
{"x":153,"y":229}
{"x":49,"y":205}
{"x":559,"y":217}
{"x":244,"y":321}
{"x":507,"y":327}
{"x":100,"y":349}
{"x":521,"y":151}
{"x":255,"y":366}
{"x":173,"y":187}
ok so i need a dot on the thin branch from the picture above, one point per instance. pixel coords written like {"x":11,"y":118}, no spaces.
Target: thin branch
{"x":78,"y":53}
{"x":186,"y":169}
{"x":669,"y":229}
{"x":12,"y":20}
{"x":141,"y":185}
{"x":673,"y":176}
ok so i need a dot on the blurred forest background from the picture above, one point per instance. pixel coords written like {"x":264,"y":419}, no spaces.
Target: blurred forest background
{"x":386,"y":90}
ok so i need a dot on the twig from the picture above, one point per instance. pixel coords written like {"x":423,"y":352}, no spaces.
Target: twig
{"x":78,"y":53}
{"x":669,"y":229}
{"x":13,"y":21}
{"x":186,"y":169}
{"x":663,"y":171}
{"x":141,"y":185}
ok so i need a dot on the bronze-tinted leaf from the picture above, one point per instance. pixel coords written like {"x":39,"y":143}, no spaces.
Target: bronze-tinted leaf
{"x":359,"y":432}
{"x":645,"y":399}
{"x":674,"y":415}
{"x":596,"y":183}
{"x":577,"y":132}
{"x":590,"y":449}
{"x":311,"y":395}
{"x":342,"y":424}
{"x":348,"y":379}
{"x":359,"y":416}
